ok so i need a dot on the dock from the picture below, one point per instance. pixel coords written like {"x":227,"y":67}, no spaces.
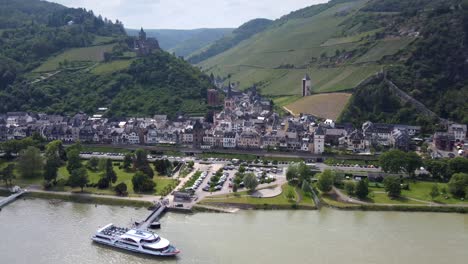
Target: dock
{"x":154,"y":216}
{"x":11,"y":198}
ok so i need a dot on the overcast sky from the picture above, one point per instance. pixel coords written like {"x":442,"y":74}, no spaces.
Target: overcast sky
{"x":189,"y":14}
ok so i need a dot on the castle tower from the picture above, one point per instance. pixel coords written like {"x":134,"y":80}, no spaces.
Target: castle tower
{"x":142,"y":34}
{"x":306,"y":85}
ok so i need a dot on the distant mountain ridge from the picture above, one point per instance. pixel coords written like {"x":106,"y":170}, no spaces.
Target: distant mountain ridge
{"x":184,"y":42}
{"x":245,"y":31}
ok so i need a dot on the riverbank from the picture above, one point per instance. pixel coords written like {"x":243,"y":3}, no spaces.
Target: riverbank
{"x":289,"y":197}
{"x":332,"y":202}
{"x":84,"y":198}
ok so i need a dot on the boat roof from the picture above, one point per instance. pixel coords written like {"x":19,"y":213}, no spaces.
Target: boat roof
{"x":139,"y":234}
{"x":162,"y":243}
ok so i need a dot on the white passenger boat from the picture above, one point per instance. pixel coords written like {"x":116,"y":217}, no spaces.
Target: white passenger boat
{"x":134,"y":240}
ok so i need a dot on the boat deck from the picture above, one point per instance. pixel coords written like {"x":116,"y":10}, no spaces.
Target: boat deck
{"x":113,"y":231}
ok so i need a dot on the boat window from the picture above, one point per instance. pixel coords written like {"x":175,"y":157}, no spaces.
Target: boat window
{"x":129,"y":240}
{"x":156,"y":239}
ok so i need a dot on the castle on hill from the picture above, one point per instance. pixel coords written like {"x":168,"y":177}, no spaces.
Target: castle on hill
{"x":143,"y":45}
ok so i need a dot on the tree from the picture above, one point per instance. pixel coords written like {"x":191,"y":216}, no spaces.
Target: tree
{"x":103,"y":183}
{"x":74,"y":160}
{"x":250,"y":182}
{"x":392,"y":186}
{"x":290,"y":195}
{"x":93,"y":163}
{"x":30,"y":163}
{"x":8,"y":174}
{"x":102,"y":164}
{"x":77,"y":146}
{"x":163,"y":167}
{"x":51,"y":167}
{"x":326,"y":180}
{"x":141,"y":158}
{"x":55,"y":148}
{"x":127,"y":162}
{"x":78,"y":178}
{"x":349,"y":187}
{"x":121,"y":189}
{"x":141,"y":163}
{"x":412,"y":161}
{"x":292,"y":174}
{"x":142,"y":183}
{"x":438,"y":168}
{"x":110,"y":173}
{"x":362,"y":189}
{"x":458,"y":184}
{"x":434,"y":191}
{"x":191,"y":164}
{"x":392,"y":161}
{"x":458,"y":164}
{"x":298,"y":174}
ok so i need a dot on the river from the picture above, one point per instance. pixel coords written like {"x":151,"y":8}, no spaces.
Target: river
{"x":38,"y":231}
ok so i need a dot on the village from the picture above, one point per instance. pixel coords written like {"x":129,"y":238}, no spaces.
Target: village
{"x":246,"y":122}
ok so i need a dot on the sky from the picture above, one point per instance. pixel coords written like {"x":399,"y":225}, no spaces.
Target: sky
{"x":189,"y":14}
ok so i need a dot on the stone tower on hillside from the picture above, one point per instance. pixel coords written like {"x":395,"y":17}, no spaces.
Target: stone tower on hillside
{"x":143,"y":45}
{"x":306,"y":85}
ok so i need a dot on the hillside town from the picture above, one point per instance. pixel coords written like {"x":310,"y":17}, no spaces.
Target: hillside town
{"x":247,"y":121}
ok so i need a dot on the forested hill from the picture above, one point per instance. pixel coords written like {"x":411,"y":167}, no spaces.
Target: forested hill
{"x":33,"y":30}
{"x":63,"y":60}
{"x":433,"y":69}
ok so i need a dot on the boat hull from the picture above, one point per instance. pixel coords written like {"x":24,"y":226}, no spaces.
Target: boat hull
{"x":136,"y":249}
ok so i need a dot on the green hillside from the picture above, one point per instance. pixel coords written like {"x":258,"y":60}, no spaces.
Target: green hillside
{"x":433,"y":69}
{"x":245,"y":31}
{"x":325,"y":41}
{"x":62,"y":60}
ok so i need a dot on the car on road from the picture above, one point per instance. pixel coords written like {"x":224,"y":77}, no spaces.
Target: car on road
{"x":218,"y":188}
{"x":206,"y":188}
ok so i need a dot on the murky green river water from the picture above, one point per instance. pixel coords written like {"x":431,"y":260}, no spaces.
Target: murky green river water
{"x":38,"y":231}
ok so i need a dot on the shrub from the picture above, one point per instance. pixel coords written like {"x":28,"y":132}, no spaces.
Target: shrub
{"x":103,"y":183}
{"x":349,"y":187}
{"x":121,"y":189}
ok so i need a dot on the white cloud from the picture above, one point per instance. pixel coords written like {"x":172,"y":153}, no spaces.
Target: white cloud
{"x":188,"y":14}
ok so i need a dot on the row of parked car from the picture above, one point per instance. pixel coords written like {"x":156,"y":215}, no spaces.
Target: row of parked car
{"x":198,"y":182}
{"x":219,"y":184}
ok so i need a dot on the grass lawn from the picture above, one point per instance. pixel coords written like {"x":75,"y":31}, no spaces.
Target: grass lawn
{"x":382,"y":198}
{"x":244,"y":198}
{"x":420,"y":190}
{"x":122,"y":176}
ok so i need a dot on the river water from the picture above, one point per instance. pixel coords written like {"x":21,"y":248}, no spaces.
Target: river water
{"x":38,"y":231}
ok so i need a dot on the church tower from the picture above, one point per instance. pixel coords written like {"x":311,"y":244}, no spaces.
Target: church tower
{"x":306,"y":85}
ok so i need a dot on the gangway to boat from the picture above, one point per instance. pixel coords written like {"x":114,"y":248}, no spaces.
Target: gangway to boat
{"x":11,"y":198}
{"x":157,"y":212}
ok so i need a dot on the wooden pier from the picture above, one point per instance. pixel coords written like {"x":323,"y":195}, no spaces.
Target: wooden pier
{"x":11,"y":198}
